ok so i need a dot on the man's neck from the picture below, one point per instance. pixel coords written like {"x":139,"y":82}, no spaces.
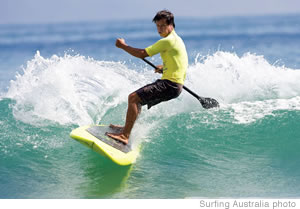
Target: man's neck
{"x":169,"y":33}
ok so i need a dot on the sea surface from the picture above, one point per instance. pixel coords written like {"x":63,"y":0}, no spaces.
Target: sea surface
{"x":56,"y":77}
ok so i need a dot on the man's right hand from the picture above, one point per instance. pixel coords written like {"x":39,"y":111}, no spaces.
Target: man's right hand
{"x":120,"y":43}
{"x":140,"y":53}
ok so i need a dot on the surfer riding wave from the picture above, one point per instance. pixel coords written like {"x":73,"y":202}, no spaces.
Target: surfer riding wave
{"x":175,"y":62}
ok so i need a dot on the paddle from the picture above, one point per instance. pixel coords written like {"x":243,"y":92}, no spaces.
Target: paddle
{"x":206,"y":102}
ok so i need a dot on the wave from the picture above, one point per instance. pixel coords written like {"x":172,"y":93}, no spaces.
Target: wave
{"x":250,"y":138}
{"x":70,"y":88}
{"x":80,"y":90}
{"x":249,"y":87}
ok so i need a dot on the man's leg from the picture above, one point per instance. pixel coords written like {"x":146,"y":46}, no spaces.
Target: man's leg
{"x":133,"y":111}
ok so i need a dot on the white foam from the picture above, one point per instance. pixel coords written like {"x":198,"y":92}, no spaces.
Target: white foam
{"x":234,"y":79}
{"x":69,"y":89}
{"x":247,"y":112}
{"x":248,"y":87}
{"x":80,"y":90}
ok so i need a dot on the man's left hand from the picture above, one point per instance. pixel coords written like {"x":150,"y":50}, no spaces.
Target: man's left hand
{"x":159,"y":69}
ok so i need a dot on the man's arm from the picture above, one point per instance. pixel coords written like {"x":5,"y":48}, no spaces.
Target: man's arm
{"x":140,"y":53}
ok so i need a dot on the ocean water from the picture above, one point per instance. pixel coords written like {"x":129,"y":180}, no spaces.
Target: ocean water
{"x":56,"y":77}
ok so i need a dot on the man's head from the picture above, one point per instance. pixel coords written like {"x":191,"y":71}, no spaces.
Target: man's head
{"x":164,"y":21}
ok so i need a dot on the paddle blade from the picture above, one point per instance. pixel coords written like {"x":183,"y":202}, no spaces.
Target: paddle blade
{"x":208,"y":103}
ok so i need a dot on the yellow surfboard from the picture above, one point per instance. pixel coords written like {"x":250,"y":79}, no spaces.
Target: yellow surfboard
{"x":94,"y":137}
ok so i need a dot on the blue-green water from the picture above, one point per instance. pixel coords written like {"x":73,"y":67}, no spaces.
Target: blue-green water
{"x":73,"y":75}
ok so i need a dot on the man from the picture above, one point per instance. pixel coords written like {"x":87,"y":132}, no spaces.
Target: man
{"x":175,"y":63}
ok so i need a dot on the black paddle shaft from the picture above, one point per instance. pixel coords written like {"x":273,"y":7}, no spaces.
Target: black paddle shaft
{"x":205,"y":102}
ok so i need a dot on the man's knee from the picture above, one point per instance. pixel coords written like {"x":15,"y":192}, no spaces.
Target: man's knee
{"x":134,"y":98}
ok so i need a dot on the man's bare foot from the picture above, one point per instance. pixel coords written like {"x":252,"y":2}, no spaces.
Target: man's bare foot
{"x":116,"y":127}
{"x":119,"y":137}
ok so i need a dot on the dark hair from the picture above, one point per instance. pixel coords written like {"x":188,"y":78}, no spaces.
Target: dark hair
{"x":164,"y":14}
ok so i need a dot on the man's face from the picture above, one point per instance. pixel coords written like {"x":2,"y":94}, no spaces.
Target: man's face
{"x":163,"y":28}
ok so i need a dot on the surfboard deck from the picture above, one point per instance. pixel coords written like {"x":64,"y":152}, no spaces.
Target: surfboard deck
{"x":94,"y":137}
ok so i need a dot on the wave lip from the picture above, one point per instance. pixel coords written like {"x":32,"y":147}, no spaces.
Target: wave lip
{"x":235,"y":79}
{"x":70,"y":88}
{"x":75,"y":89}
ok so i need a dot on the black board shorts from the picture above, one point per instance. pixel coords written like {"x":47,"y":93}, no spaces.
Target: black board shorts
{"x":159,"y":91}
